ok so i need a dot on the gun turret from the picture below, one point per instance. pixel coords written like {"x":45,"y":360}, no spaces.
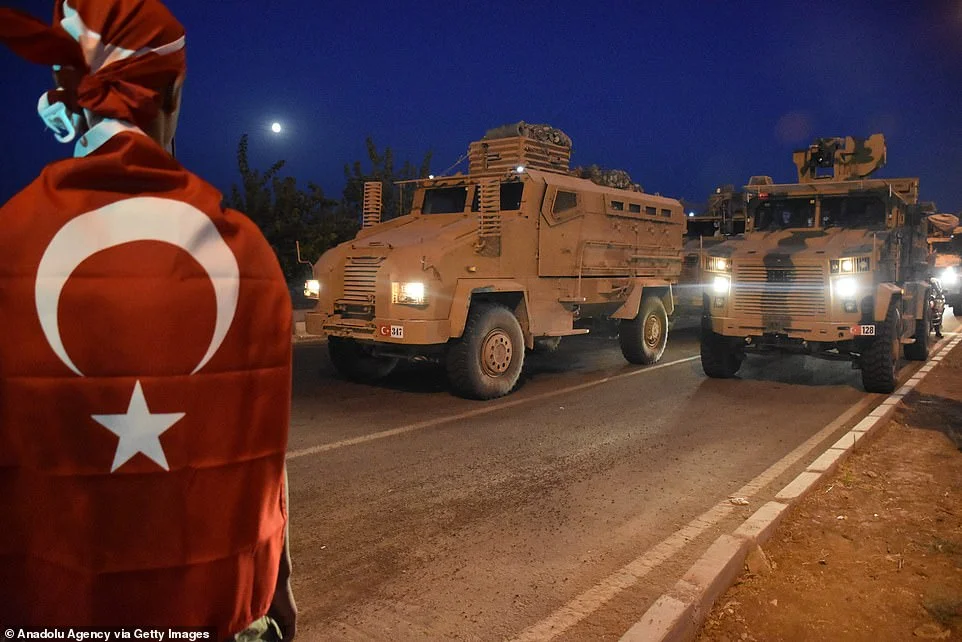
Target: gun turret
{"x":840,"y":159}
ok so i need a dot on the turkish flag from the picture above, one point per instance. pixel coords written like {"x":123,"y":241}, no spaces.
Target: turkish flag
{"x":144,"y":399}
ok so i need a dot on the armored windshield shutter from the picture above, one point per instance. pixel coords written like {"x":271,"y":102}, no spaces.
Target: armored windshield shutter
{"x":372,"y":204}
{"x":489,"y":219}
{"x":490,"y":209}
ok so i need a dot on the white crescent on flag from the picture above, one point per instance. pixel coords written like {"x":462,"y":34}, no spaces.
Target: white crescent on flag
{"x":144,"y":218}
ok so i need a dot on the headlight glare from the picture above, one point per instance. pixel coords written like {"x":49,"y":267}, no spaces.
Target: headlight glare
{"x":847,"y":265}
{"x":312,"y":288}
{"x":949,"y":276}
{"x":846,"y":287}
{"x":409,"y":293}
{"x":721,"y":284}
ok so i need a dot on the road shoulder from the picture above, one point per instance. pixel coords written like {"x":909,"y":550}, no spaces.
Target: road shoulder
{"x":867,"y":546}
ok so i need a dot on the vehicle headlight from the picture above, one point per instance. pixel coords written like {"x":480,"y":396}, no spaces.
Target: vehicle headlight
{"x":312,"y":288}
{"x":719,"y":264}
{"x":846,"y":287}
{"x":721,"y":284}
{"x":949,"y":276}
{"x":411,"y":293}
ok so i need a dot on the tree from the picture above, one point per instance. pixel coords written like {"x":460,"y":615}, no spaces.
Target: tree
{"x":287,"y":215}
{"x":382,"y":169}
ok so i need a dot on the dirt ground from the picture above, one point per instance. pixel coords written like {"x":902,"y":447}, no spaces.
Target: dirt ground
{"x":875,"y":551}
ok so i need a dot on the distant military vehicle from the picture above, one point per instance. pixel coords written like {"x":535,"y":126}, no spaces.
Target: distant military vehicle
{"x":945,"y":243}
{"x":833,"y":266}
{"x":510,"y":256}
{"x":723,"y":217}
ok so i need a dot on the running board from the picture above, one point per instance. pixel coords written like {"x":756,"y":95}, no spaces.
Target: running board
{"x":566,"y":333}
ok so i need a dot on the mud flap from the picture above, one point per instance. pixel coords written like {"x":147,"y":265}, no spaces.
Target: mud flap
{"x":629,"y":309}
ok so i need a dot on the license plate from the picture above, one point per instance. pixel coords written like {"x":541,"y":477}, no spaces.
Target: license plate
{"x":397,"y":331}
{"x":866,"y":330}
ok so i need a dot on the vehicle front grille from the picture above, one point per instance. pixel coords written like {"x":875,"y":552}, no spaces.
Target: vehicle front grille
{"x":784,"y":291}
{"x":360,"y":280}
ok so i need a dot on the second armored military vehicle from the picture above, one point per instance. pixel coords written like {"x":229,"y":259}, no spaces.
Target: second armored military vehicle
{"x":833,"y":266}
{"x":724,"y":217}
{"x":505,"y":258}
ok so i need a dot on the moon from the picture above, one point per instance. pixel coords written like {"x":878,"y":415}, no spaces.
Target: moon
{"x":276,"y":127}
{"x":144,"y":218}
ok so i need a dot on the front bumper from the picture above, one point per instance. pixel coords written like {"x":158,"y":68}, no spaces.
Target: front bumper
{"x":804,"y":329}
{"x":380,"y":330}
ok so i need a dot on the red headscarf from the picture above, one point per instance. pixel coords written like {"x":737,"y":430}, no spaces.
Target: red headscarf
{"x":124,"y":52}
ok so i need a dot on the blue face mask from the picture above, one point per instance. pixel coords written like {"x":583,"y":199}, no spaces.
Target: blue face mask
{"x":59,"y":119}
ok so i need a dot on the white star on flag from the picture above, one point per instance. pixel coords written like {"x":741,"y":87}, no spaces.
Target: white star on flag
{"x":139,"y":430}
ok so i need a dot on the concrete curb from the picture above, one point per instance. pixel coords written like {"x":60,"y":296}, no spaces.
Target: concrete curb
{"x":678,"y":614}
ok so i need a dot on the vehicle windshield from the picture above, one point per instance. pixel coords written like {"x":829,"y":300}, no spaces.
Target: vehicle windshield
{"x":782,"y":214}
{"x":444,"y":200}
{"x":952,"y":246}
{"x":853,"y":211}
{"x":837,"y":211}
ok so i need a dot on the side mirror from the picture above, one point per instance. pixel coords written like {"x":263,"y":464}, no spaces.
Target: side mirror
{"x":297,"y":244}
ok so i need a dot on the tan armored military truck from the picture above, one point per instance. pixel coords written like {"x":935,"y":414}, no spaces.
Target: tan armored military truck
{"x":833,"y":266}
{"x":510,"y":256}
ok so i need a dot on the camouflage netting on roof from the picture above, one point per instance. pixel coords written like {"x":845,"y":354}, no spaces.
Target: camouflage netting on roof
{"x":544,"y":133}
{"x":945,"y":223}
{"x":617,"y":178}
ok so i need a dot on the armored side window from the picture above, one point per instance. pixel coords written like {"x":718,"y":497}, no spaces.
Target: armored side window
{"x":634,"y":207}
{"x":511,"y":196}
{"x":618,"y":206}
{"x":666,"y":213}
{"x":564,"y":202}
{"x":651,"y":211}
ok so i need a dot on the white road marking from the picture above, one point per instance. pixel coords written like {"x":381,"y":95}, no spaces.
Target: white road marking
{"x":487,"y":409}
{"x":597,"y":596}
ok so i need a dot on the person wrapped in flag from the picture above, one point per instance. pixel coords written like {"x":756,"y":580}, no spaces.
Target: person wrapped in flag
{"x":145,"y":357}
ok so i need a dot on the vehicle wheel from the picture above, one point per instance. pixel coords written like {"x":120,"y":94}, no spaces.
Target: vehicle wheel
{"x":919,"y":351}
{"x":880,"y":362}
{"x":355,"y":361}
{"x":720,"y":356}
{"x":643,"y":338}
{"x":486,"y":361}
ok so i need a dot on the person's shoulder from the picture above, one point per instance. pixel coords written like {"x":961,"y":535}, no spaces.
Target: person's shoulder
{"x":36,"y":192}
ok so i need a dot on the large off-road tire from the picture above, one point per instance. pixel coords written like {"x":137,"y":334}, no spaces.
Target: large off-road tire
{"x":880,"y":361}
{"x":486,"y":361}
{"x":643,"y":338}
{"x":919,"y":351}
{"x":720,"y":356}
{"x":355,"y":362}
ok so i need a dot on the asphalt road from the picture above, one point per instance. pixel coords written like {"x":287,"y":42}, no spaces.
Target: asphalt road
{"x":559,"y":512}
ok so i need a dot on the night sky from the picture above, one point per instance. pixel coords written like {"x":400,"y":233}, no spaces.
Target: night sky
{"x":684,"y":95}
